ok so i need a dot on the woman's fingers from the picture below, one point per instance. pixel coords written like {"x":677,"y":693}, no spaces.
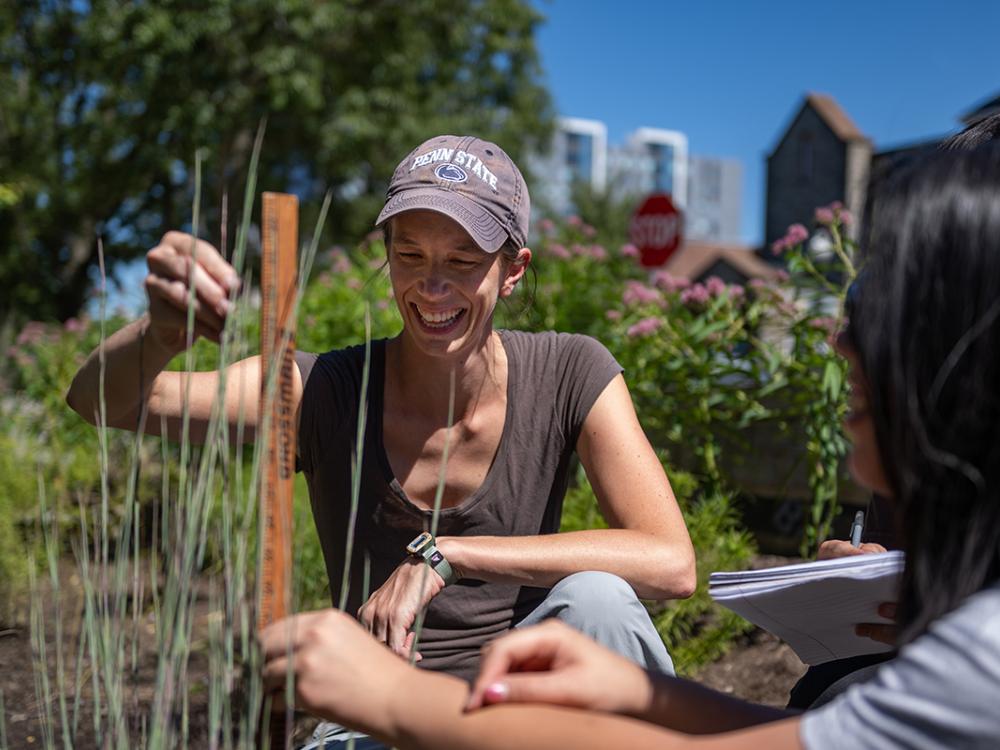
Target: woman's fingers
{"x":880,"y":632}
{"x":175,"y":293}
{"x":276,"y":673}
{"x":170,"y":263}
{"x":180,"y":265}
{"x":531,"y":648}
{"x":206,"y":255}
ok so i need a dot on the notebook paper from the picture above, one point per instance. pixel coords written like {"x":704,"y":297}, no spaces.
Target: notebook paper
{"x":814,"y":606}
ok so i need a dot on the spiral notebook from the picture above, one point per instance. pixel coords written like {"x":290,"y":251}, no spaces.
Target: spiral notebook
{"x":814,"y":606}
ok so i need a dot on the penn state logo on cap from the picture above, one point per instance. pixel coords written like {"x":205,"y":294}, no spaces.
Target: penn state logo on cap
{"x":451,"y":173}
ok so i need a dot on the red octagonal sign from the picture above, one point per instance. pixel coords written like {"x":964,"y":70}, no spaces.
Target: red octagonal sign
{"x":656,"y":229}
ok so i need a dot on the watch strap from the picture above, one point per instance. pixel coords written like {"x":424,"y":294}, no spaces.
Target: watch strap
{"x":438,"y":562}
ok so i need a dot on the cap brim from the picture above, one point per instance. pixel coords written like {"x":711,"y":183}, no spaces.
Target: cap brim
{"x":479,"y":223}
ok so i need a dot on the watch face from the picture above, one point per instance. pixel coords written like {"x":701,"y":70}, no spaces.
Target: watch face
{"x":419,"y":543}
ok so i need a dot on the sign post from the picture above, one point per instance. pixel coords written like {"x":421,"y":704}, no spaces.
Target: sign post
{"x":656,"y":229}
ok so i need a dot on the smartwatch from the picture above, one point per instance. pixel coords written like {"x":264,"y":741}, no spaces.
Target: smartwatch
{"x":425,"y":548}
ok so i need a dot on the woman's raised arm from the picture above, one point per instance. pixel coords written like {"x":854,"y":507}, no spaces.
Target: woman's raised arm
{"x":134,"y":357}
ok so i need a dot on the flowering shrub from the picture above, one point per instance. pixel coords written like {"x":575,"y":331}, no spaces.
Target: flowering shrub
{"x":706,"y":361}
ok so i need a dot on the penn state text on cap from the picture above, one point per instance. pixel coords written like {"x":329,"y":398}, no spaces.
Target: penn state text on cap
{"x":467,"y":179}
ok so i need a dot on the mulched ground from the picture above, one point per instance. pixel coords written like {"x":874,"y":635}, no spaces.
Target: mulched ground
{"x":758,"y":668}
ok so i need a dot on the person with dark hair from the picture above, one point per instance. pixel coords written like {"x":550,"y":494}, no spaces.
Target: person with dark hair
{"x":821,"y":683}
{"x":978,"y":133}
{"x":923,"y":346}
{"x":456,"y":226}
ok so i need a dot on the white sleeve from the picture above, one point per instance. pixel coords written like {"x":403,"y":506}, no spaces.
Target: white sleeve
{"x":942,"y":691}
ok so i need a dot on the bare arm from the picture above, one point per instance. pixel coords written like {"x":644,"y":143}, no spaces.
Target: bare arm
{"x":134,"y":357}
{"x":341,"y":673}
{"x":647,"y":544}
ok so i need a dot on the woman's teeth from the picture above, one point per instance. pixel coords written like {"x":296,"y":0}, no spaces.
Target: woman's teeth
{"x":439,"y":319}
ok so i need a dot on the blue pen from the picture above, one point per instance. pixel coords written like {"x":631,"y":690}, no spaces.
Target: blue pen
{"x":857,"y":527}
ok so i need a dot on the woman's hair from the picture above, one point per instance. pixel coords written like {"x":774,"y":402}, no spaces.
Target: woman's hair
{"x":927,"y":332}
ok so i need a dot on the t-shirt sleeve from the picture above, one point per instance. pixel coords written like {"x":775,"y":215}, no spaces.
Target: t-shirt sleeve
{"x":585,"y":369}
{"x":329,"y":395}
{"x":940,"y":692}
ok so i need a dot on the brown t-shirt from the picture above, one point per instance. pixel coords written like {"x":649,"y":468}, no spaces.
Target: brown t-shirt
{"x":553,"y":379}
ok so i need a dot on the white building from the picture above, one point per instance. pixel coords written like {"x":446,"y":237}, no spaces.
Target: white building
{"x":652,"y":160}
{"x":579,"y":152}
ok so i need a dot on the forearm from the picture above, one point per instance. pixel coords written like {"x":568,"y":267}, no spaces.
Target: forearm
{"x":132,"y":360}
{"x":427,"y":713}
{"x":656,"y":568}
{"x":688,"y":707}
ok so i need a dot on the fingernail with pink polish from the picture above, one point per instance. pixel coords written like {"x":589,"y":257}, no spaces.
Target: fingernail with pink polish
{"x":496,"y":693}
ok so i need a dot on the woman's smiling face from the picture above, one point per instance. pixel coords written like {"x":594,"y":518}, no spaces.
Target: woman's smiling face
{"x":446,"y":286}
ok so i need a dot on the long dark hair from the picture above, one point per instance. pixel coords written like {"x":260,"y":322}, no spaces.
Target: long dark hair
{"x":928,"y":337}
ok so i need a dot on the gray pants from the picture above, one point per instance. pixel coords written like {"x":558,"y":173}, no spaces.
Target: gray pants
{"x":605,"y":608}
{"x":599,"y":605}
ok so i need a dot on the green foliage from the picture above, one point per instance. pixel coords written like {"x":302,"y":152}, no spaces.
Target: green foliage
{"x":579,"y":280}
{"x":104,"y":105}
{"x":707,"y":361}
{"x":332,"y":311}
{"x":695,"y":630}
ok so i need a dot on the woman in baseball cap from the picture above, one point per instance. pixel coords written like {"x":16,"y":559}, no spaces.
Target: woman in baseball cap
{"x":471,"y":431}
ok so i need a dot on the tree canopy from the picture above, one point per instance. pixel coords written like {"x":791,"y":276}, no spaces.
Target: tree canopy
{"x":104,"y":104}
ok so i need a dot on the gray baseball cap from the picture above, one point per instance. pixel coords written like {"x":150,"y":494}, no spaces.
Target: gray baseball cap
{"x":467,"y":179}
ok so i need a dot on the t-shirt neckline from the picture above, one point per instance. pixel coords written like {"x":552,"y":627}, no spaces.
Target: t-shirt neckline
{"x":376,"y":413}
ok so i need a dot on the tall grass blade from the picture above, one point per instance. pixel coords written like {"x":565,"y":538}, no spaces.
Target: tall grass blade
{"x":436,"y":514}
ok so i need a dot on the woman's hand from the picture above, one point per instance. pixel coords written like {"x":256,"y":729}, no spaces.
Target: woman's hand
{"x":175,"y":265}
{"x":552,"y":663}
{"x":340,"y":672}
{"x":877,"y":631}
{"x":834,"y":548}
{"x":391,"y":611}
{"x":883,"y":632}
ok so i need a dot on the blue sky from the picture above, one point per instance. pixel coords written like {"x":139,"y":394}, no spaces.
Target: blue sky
{"x":731,"y":73}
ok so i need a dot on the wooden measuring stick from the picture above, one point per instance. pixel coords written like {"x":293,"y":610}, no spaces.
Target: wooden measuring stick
{"x":279,"y":278}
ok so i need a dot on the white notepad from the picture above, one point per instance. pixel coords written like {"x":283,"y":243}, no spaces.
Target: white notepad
{"x":814,"y":606}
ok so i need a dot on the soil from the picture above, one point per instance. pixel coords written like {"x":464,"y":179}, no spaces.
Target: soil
{"x":758,"y":668}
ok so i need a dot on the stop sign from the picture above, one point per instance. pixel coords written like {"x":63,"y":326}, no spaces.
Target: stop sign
{"x":656,"y":229}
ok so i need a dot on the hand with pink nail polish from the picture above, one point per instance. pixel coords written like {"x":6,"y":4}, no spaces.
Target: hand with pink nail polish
{"x":552,"y":663}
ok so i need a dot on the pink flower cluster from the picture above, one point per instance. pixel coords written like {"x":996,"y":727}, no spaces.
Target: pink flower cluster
{"x":824,"y":324}
{"x":644,"y":327}
{"x":668,"y":282}
{"x":559,"y":251}
{"x":33,"y":332}
{"x":637,"y":293}
{"x":715,"y":286}
{"x":834,"y":213}
{"x":339,"y":262}
{"x":795,"y":235}
{"x":590,"y":251}
{"x":696,"y":294}
{"x":630,"y":251}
